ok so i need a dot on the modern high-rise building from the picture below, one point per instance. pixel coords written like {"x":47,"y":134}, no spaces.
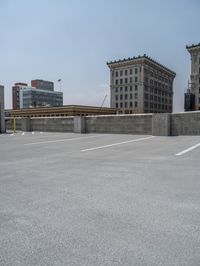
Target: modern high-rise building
{"x":141,"y":85}
{"x":194,"y":51}
{"x":25,"y":96}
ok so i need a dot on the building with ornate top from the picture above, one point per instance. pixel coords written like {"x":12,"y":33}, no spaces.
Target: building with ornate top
{"x":194,"y":51}
{"x":141,"y":85}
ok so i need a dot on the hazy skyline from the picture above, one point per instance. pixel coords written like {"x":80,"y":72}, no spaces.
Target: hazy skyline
{"x":73,"y":40}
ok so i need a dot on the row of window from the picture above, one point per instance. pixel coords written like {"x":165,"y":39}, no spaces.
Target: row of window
{"x":158,"y":106}
{"x":125,"y":80}
{"x":121,"y":89}
{"x":117,"y":97}
{"x":125,"y":72}
{"x":126,"y":105}
{"x":156,"y":76}
{"x":156,"y":83}
{"x":158,"y":92}
{"x":156,"y":98}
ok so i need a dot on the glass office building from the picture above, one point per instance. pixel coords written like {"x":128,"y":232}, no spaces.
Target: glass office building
{"x":32,"y":97}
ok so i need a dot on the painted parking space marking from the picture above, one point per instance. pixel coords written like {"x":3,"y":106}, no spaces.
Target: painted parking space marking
{"x":188,"y":150}
{"x":116,"y":144}
{"x":61,"y":140}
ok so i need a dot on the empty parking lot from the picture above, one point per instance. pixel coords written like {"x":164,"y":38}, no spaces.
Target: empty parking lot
{"x":99,"y":199}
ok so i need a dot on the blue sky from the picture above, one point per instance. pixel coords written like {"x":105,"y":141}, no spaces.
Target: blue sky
{"x":73,"y":40}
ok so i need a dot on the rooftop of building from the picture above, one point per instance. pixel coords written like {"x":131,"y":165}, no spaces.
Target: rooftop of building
{"x":21,"y":84}
{"x":140,"y":57}
{"x":192,"y":46}
{"x":65,"y":109}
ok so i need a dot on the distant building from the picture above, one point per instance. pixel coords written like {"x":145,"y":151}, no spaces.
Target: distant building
{"x":15,"y":94}
{"x":194,"y":51}
{"x":2,"y":119}
{"x":25,"y":96}
{"x":141,"y":85}
{"x":65,"y":110}
{"x":42,"y":84}
{"x":32,"y":97}
{"x":189,"y":103}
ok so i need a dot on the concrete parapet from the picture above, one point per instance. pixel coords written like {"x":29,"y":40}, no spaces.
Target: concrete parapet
{"x":161,"y":124}
{"x":52,"y":124}
{"x":187,"y":123}
{"x":26,"y":124}
{"x":120,"y":124}
{"x":79,"y":124}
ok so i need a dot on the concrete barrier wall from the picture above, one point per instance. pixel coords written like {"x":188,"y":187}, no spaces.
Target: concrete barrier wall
{"x":53,"y":124}
{"x":9,"y":123}
{"x":185,"y":123}
{"x":120,"y":124}
{"x":145,"y":124}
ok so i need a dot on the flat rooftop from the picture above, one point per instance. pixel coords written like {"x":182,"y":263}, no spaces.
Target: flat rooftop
{"x":94,"y":199}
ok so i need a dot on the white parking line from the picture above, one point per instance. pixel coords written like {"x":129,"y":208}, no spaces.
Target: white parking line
{"x":23,"y":133}
{"x":187,"y":150}
{"x":61,"y":140}
{"x":116,"y":144}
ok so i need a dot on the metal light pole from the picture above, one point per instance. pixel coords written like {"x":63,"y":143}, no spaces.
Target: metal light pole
{"x":60,"y":81}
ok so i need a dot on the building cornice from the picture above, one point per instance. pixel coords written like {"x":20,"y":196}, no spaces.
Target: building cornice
{"x":193,"y":46}
{"x":139,"y":59}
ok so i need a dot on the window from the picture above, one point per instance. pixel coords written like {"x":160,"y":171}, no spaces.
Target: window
{"x":131,"y":71}
{"x":131,"y":104}
{"x":121,"y":97}
{"x":126,"y":80}
{"x":121,"y":89}
{"x":116,"y":105}
{"x":199,"y":90}
{"x":126,"y":88}
{"x":136,"y":70}
{"x":135,"y":104}
{"x":121,"y":105}
{"x":131,"y":80}
{"x":136,"y":87}
{"x":121,"y":73}
{"x":146,"y":96}
{"x":126,"y":96}
{"x":121,"y":81}
{"x":116,"y":73}
{"x":136,"y":95}
{"x":125,"y":105}
{"x":136,"y":79}
{"x":131,"y":96}
{"x":116,"y":97}
{"x":126,"y":72}
{"x":116,"y":81}
{"x":132,"y":88}
{"x":116,"y":89}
